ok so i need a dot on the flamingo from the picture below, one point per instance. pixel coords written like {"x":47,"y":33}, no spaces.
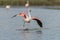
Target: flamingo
{"x":28,"y":19}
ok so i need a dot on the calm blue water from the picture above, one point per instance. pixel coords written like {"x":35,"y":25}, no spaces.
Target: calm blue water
{"x":49,"y":17}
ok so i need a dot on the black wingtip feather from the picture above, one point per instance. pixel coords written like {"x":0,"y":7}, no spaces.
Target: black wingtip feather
{"x":14,"y":16}
{"x":39,"y":22}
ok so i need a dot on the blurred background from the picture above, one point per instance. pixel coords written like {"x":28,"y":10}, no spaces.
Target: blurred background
{"x":32,"y":2}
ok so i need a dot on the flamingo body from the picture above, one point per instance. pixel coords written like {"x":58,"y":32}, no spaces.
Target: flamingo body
{"x":28,"y":19}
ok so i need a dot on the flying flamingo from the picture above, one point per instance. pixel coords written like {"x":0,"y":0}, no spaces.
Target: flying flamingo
{"x":28,"y":18}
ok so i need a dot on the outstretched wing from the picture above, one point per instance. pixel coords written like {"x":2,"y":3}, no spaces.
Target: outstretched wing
{"x":38,"y":21}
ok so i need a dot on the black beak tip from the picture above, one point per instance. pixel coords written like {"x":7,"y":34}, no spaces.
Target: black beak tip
{"x":14,"y":16}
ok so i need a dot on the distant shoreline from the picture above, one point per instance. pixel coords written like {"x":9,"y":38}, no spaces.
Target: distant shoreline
{"x":32,"y":2}
{"x":45,"y":7}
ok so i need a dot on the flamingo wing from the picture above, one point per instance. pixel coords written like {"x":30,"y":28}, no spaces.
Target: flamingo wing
{"x":38,"y":21}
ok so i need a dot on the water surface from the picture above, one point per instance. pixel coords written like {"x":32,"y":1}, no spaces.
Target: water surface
{"x":50,"y":19}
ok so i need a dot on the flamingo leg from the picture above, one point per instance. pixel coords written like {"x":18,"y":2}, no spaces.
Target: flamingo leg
{"x":23,"y":24}
{"x":27,"y":26}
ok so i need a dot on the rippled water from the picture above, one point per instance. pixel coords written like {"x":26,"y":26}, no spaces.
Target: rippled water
{"x":9,"y":26}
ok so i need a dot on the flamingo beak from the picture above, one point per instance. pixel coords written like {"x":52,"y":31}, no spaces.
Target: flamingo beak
{"x":13,"y":16}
